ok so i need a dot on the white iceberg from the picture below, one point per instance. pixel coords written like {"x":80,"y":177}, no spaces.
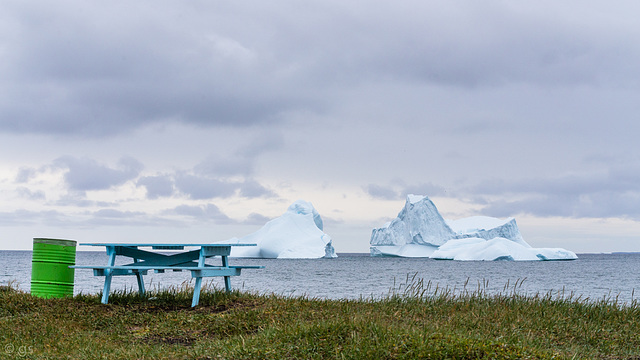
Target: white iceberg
{"x":481,"y":249}
{"x":297,"y":234}
{"x":420,"y":231}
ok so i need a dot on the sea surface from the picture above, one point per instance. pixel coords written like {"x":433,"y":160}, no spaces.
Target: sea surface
{"x":614,"y":277}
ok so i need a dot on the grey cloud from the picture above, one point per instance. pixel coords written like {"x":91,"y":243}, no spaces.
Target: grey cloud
{"x":428,"y":189}
{"x":208,"y":212}
{"x":627,"y":176}
{"x":615,"y":179}
{"x":382,"y":192}
{"x":79,"y":199}
{"x":117,"y":214}
{"x":466,"y":45}
{"x":25,"y":174}
{"x":252,"y":189}
{"x":26,"y":217}
{"x":200,"y":187}
{"x":478,"y":128}
{"x":242,"y":162}
{"x":539,"y":206}
{"x":22,"y":217}
{"x":108,"y":217}
{"x":269,"y":140}
{"x":256,"y":219}
{"x":27,"y":193}
{"x":331,"y":221}
{"x":608,"y":204}
{"x":157,"y":186}
{"x":85,"y":174}
{"x":399,"y":190}
{"x":114,"y":217}
{"x":107,"y":69}
{"x":610,"y":192}
{"x":214,"y":166}
{"x":589,"y":205}
{"x":129,"y":71}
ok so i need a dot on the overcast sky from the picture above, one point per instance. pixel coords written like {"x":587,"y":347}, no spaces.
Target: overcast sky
{"x":199,"y":121}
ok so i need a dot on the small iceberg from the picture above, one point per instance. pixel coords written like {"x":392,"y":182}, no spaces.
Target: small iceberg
{"x":297,"y":234}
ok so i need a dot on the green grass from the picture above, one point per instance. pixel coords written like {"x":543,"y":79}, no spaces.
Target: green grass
{"x":414,"y":321}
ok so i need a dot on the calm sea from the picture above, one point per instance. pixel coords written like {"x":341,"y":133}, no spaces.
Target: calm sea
{"x":593,"y":276}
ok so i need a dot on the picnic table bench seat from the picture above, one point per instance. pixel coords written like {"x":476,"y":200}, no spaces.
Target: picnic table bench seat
{"x":196,"y":271}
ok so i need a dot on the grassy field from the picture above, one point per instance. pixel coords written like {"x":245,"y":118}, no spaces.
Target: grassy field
{"x":415,"y":321}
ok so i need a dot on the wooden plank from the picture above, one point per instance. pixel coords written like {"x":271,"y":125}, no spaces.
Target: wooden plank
{"x":152,"y":259}
{"x":118,"y":272}
{"x":143,"y":267}
{"x":165,"y":244}
{"x":167,"y":247}
{"x":208,"y":251}
{"x":207,"y":272}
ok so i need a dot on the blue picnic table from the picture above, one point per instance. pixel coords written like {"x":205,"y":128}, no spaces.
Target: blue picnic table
{"x":180,"y":259}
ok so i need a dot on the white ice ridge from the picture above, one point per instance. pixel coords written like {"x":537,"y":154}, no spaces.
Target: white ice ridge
{"x":297,"y":234}
{"x":420,"y":231}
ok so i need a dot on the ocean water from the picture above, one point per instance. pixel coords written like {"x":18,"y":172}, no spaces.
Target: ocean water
{"x":615,"y":277}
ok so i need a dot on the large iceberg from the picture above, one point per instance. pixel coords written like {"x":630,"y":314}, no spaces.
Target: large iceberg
{"x":420,"y":231}
{"x":297,"y":234}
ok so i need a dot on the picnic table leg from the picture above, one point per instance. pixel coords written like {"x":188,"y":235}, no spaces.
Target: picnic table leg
{"x":141,"y":289}
{"x":111,"y":252}
{"x":196,"y":292}
{"x":107,"y":286}
{"x":227,"y":279}
{"x":196,"y":289}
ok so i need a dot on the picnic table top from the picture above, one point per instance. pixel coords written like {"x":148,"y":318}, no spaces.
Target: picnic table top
{"x":167,"y":246}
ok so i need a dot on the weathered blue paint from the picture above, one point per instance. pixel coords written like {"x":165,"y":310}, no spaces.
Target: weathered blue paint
{"x":145,"y":260}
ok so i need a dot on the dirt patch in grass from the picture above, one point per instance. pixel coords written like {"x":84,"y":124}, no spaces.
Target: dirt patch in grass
{"x":186,"y":340}
{"x":152,"y":307}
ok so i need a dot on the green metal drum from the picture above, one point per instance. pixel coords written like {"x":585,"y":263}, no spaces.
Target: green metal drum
{"x":50,"y":273}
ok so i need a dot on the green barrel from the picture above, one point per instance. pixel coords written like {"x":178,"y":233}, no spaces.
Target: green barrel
{"x":50,"y":273}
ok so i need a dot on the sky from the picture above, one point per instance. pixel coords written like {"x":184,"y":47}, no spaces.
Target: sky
{"x":199,"y":121}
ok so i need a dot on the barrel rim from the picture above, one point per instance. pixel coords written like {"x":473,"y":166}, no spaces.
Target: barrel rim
{"x":49,"y":241}
{"x":50,"y":283}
